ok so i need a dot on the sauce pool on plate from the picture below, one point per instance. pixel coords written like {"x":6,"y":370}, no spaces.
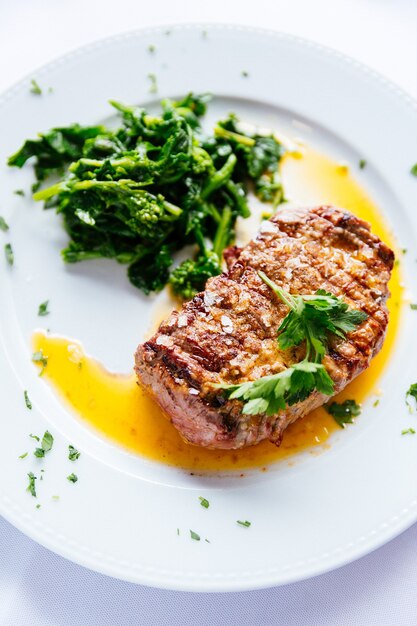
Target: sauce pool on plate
{"x":115,"y":404}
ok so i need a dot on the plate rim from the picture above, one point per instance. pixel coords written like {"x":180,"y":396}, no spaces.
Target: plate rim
{"x":51,"y":539}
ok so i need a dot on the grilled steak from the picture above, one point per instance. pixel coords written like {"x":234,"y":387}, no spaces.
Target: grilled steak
{"x":228,"y":333}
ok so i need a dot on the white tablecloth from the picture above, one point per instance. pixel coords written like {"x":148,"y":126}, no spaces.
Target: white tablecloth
{"x":38,"y":588}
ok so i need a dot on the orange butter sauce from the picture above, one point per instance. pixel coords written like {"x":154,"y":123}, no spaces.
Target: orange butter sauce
{"x":115,"y":405}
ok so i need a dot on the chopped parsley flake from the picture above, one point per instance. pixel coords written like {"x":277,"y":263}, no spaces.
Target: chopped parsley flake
{"x":413,"y":307}
{"x":34,"y":437}
{"x":343,"y":412}
{"x":38,"y":506}
{"x":72,"y":478}
{"x":43,"y":309}
{"x":153,"y":88}
{"x":205,"y":503}
{"x":73,"y":453}
{"x":377,"y":401}
{"x":39,"y":357}
{"x":408,"y":431}
{"x":245,"y":74}
{"x":19,"y":192}
{"x":35,"y":89}
{"x":151,"y":48}
{"x":246,"y":524}
{"x":27,"y":400}
{"x":31,"y":486}
{"x":3,"y":225}
{"x":413,"y":170}
{"x":23,"y":456}
{"x":178,"y":531}
{"x":55,"y":497}
{"x":194,"y":536}
{"x":411,"y":393}
{"x":8,"y":251}
{"x":46,"y":445}
{"x":362,"y":164}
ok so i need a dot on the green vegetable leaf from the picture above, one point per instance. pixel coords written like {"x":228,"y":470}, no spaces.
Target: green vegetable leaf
{"x":153,"y":185}
{"x":24,"y":455}
{"x":194,"y":536}
{"x":408,"y":431}
{"x":46,"y":445}
{"x":73,"y":453}
{"x":411,"y":393}
{"x":8,"y":251}
{"x":413,"y":170}
{"x":245,"y":524}
{"x":362,"y":164}
{"x":312,"y":318}
{"x":343,"y":412}
{"x":19,"y":192}
{"x":27,"y":400}
{"x":205,"y":503}
{"x":270,"y":394}
{"x":31,"y":486}
{"x":3,"y":225}
{"x":34,"y":88}
{"x":72,"y":478}
{"x":43,"y":309}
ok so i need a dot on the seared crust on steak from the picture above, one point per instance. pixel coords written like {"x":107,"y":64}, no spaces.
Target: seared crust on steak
{"x":228,"y":333}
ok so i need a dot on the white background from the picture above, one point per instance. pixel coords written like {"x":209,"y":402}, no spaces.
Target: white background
{"x":38,"y":588}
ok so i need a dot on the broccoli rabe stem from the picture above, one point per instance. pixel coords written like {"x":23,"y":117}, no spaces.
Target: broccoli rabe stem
{"x":220,"y":177}
{"x":219,"y":131}
{"x":222,"y":236}
{"x":122,"y":186}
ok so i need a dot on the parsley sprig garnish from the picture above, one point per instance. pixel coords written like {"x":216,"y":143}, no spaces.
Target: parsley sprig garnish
{"x":312,"y":319}
{"x":343,"y":412}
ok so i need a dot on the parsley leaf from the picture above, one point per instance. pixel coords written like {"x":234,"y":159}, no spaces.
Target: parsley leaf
{"x":408,"y":431}
{"x":72,"y":478}
{"x":246,"y":524}
{"x":343,"y":412}
{"x":24,"y":455}
{"x":46,"y":445}
{"x":270,"y":394}
{"x":205,"y":503}
{"x":362,"y":164}
{"x":411,"y":393}
{"x":73,"y":454}
{"x":34,"y":88}
{"x":413,"y":170}
{"x":194,"y":535}
{"x":312,"y":318}
{"x":31,"y":486}
{"x":27,"y":400}
{"x":413,"y":307}
{"x":3,"y":225}
{"x":8,"y":251}
{"x":19,"y":192}
{"x":43,"y":309}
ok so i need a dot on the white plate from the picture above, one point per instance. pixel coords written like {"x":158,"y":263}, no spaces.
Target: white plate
{"x":122,"y":515}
